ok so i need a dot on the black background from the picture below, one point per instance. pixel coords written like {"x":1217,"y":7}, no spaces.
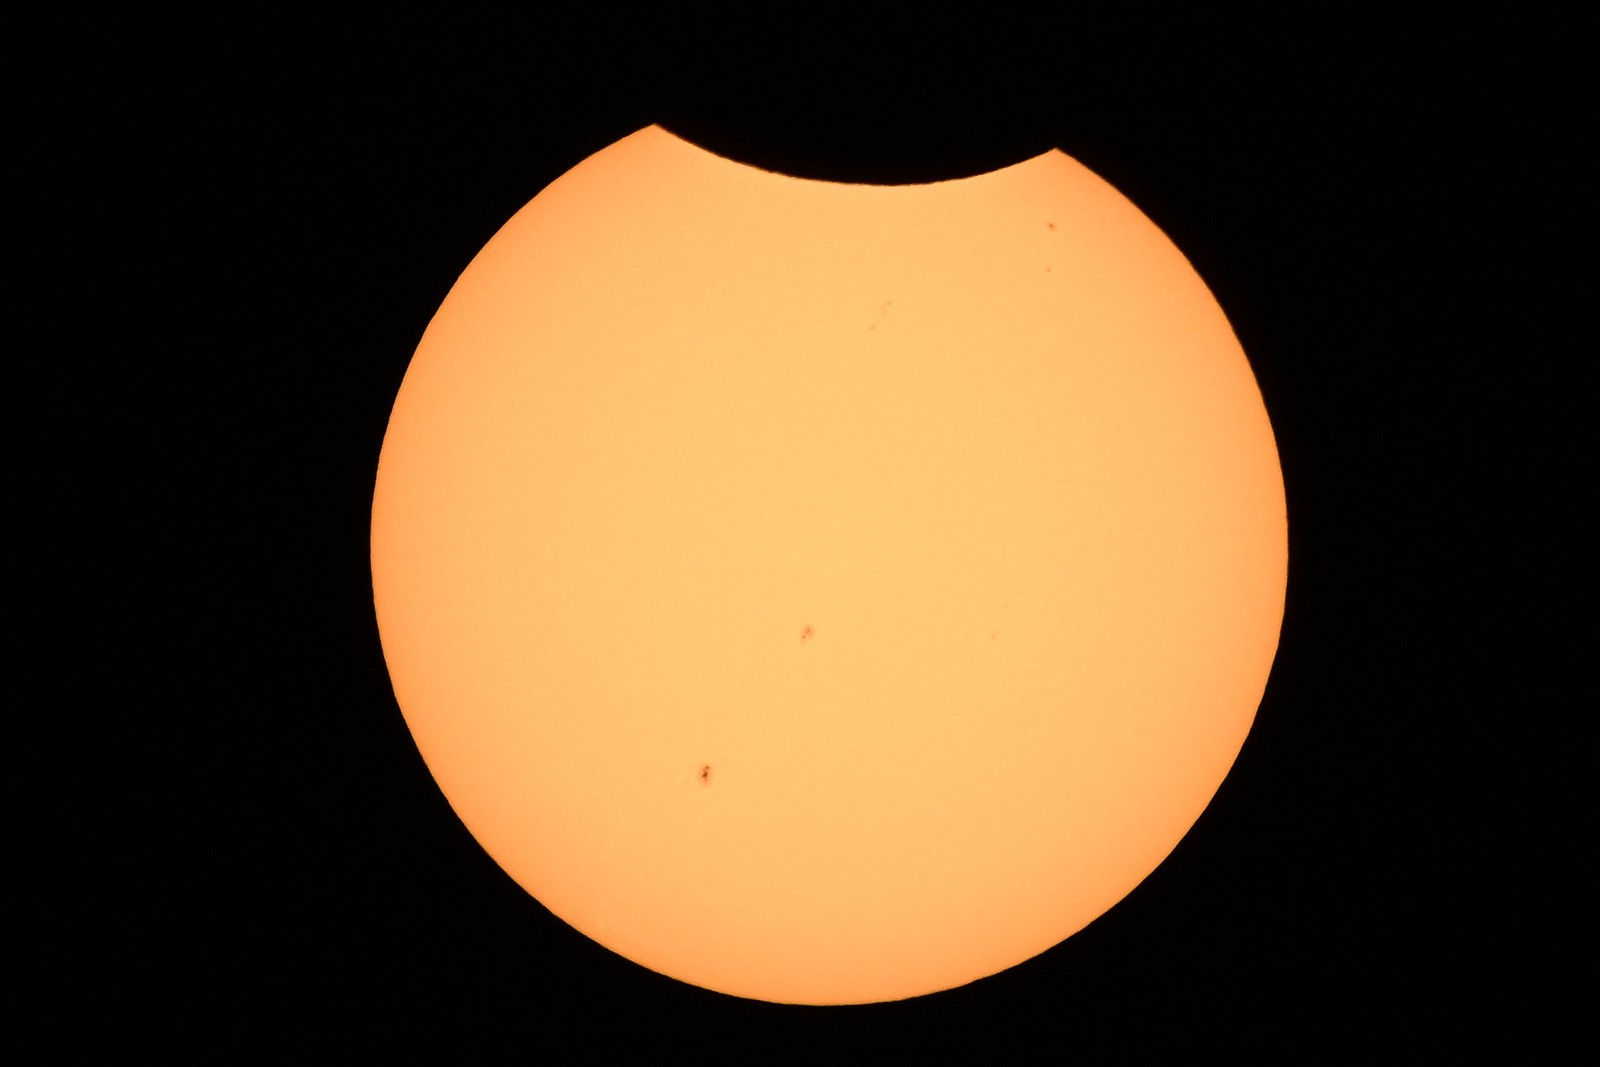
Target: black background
{"x":321,"y":185}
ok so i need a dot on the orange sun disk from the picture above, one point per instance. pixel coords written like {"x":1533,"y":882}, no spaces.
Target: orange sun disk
{"x":828,"y":593}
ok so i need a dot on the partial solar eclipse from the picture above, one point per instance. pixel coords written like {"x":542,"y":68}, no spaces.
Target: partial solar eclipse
{"x":828,"y":593}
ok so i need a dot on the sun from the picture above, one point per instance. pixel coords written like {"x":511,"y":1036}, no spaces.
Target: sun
{"x":828,"y":593}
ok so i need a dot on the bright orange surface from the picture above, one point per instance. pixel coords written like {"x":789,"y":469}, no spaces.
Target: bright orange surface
{"x":828,"y":593}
